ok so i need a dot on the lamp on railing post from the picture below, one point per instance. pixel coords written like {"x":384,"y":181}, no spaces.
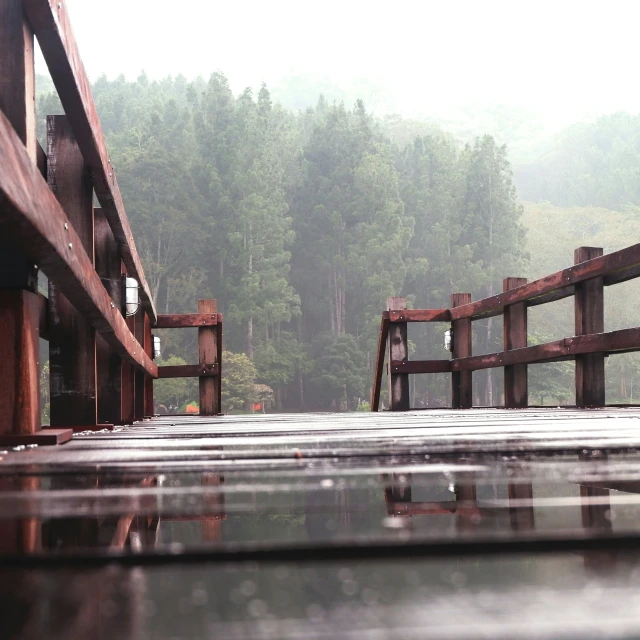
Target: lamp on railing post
{"x":130,"y":296}
{"x":156,"y":347}
{"x":448,"y":340}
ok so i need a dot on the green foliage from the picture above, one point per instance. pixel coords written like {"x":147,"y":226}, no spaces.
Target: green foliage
{"x":174,"y":391}
{"x":339,"y":375}
{"x":238,"y":382}
{"x":301,"y":224}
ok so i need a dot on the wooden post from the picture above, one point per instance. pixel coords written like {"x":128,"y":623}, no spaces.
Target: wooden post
{"x":398,"y":350}
{"x":72,"y":347}
{"x":127,"y":410}
{"x":461,"y":381}
{"x":589,"y":316}
{"x":108,"y":363}
{"x":148,"y":380}
{"x":208,"y":354}
{"x":516,"y":394}
{"x":19,"y":315}
{"x":139,"y":401}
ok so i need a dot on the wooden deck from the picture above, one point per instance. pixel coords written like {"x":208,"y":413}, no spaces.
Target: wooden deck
{"x":438,"y":523}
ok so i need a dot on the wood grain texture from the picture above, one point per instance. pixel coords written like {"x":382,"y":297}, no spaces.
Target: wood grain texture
{"x":72,"y":347}
{"x":421,"y":366}
{"x":19,"y":310}
{"x":379,"y":365}
{"x":208,"y":354}
{"x":33,"y":218}
{"x":188,"y":371}
{"x":108,"y":362}
{"x":589,"y":319}
{"x":52,"y":27}
{"x":419,"y":315}
{"x":461,"y":381}
{"x":398,"y":351}
{"x":148,"y":380}
{"x":19,"y":371}
{"x":616,"y":267}
{"x":182,"y":320}
{"x":516,"y":392}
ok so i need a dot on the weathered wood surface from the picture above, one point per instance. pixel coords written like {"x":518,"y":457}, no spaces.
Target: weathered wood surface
{"x":419,"y":315}
{"x":616,"y":267}
{"x":72,"y":347}
{"x":589,"y":319}
{"x":516,"y":394}
{"x":398,"y":351}
{"x":209,"y":386}
{"x":379,"y":364}
{"x":148,"y":381}
{"x":19,"y":367}
{"x":50,"y":22}
{"x":42,"y":437}
{"x":35,"y":220}
{"x":188,"y":370}
{"x":108,"y":362}
{"x":182,"y":320}
{"x":421,"y":366}
{"x":20,"y":306}
{"x":461,"y":381}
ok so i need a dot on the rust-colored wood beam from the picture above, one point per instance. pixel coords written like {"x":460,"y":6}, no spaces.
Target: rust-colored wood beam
{"x":188,"y":371}
{"x":421,"y":366}
{"x":108,"y":362}
{"x":589,"y":318}
{"x":516,"y":391}
{"x":379,"y":366}
{"x":207,"y":355}
{"x":51,"y":26}
{"x":419,"y":315}
{"x":461,"y":381}
{"x":19,"y":302}
{"x":183,"y":320}
{"x":615,"y":267}
{"x":398,"y":351}
{"x":621,"y":341}
{"x":72,"y":339}
{"x":33,"y":218}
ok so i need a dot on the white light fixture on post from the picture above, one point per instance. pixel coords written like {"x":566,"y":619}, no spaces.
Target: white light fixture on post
{"x":156,"y":347}
{"x":448,"y":339}
{"x":131,"y":296}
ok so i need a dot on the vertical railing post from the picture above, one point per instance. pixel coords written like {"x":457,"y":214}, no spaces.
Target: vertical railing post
{"x":461,"y":381}
{"x":139,"y":376}
{"x":516,"y":393}
{"x":72,"y":346}
{"x":589,"y":317}
{"x":148,"y":380}
{"x":398,"y":351}
{"x":208,"y":354}
{"x":108,"y":362}
{"x":19,"y":308}
{"x":127,"y":395}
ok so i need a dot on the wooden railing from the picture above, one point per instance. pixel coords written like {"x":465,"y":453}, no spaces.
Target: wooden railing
{"x":101,"y":366}
{"x":588,"y":347}
{"x":209,"y":367}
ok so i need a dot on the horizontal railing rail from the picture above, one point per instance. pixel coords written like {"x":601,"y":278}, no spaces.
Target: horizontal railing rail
{"x":588,"y":348}
{"x":209,"y":369}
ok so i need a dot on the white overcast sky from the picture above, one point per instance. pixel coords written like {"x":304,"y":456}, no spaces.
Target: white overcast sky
{"x":563,"y":58}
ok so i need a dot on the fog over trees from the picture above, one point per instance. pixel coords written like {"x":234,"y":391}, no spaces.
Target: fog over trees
{"x":302,"y":221}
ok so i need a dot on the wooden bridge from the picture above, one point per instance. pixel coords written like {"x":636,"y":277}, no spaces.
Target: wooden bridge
{"x":442,"y":523}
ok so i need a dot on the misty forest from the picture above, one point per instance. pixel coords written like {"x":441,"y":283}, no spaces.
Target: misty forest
{"x":302,"y":217}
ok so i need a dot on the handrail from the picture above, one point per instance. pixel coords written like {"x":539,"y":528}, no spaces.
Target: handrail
{"x":52,"y":28}
{"x":32,"y":215}
{"x":591,"y":344}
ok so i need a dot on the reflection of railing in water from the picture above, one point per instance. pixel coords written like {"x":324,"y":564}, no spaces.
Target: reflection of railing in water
{"x":588,"y":348}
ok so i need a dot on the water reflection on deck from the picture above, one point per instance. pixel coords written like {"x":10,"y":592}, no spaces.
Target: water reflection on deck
{"x":429,"y":524}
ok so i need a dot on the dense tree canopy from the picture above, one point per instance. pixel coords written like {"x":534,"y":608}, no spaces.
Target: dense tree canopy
{"x":301,"y":224}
